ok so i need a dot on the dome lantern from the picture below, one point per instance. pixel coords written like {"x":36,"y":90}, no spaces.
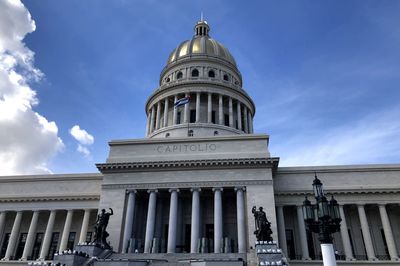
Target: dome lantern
{"x":201,"y":28}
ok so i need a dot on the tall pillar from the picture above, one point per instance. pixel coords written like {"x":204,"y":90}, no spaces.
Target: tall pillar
{"x":195,"y":227}
{"x":186,"y":111}
{"x":217,"y":220}
{"x":281,"y":229}
{"x":85,"y":225}
{"x":148,"y":124}
{"x":302,"y":232}
{"x":130,"y":211}
{"x":152,"y":119}
{"x":2,"y":222}
{"x":220,"y":110}
{"x":246,"y":124}
{"x":173,"y":216}
{"x":366,"y":234}
{"x":166,"y":107}
{"x":198,"y":107}
{"x":387,"y":229}
{"x":14,"y":236}
{"x":151,"y":218}
{"x":230,"y":112}
{"x":239,"y":115}
{"x":31,"y":236}
{"x":67,"y":228}
{"x":344,"y":232}
{"x":241,"y":219}
{"x":158,"y":116}
{"x":175,"y":113}
{"x":209,"y":107}
{"x":250,"y":122}
{"x":44,"y":250}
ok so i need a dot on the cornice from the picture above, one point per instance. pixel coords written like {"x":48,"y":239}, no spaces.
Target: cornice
{"x":338,"y":169}
{"x":188,"y":185}
{"x":51,"y":177}
{"x":49,"y":198}
{"x":188,"y":164}
{"x":341,"y":191}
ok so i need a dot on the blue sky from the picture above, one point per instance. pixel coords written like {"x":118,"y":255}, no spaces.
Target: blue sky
{"x":324,"y":75}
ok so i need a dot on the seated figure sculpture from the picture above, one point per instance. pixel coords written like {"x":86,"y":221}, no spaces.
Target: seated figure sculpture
{"x":263,"y":230}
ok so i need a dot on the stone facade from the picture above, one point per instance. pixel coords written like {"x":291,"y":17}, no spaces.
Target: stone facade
{"x":183,"y":195}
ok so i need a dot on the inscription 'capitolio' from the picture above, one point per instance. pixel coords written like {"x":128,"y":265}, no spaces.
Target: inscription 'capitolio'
{"x":184,"y":148}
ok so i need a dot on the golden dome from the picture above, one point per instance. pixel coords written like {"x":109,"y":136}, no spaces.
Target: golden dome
{"x":201,"y":45}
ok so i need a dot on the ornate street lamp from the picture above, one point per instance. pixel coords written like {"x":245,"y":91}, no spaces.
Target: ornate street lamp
{"x":324,"y":219}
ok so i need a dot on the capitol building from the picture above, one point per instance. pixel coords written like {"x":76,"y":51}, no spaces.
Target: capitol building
{"x":184,"y":193}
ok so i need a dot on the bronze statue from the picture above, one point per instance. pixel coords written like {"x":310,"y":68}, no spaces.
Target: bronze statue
{"x":263,"y":230}
{"x":100,"y":233}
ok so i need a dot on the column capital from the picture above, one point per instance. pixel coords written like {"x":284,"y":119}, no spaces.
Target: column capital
{"x":173,"y":189}
{"x":382,"y":205}
{"x":240,"y":188}
{"x":152,"y":190}
{"x":195,"y":189}
{"x":128,"y":191}
{"x":360,"y":205}
{"x":217,"y":188}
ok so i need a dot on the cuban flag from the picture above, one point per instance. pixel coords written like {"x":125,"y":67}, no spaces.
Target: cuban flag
{"x":182,"y":101}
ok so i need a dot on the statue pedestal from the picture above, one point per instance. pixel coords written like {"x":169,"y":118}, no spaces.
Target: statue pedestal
{"x":268,"y":253}
{"x":81,"y":254}
{"x":92,"y":249}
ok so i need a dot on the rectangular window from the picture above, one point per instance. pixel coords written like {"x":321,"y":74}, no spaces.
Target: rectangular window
{"x":192,"y":116}
{"x":210,"y":237}
{"x":53,"y":245}
{"x":178,"y":118}
{"x":290,"y":244}
{"x":213,"y":117}
{"x":187,"y":238}
{"x":36,"y":247}
{"x":71,"y":240}
{"x":21,"y":245}
{"x":226,"y":118}
{"x":237,"y":124}
{"x":5,"y":244}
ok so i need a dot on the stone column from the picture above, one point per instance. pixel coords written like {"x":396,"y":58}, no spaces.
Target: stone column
{"x":31,"y":236}
{"x":14,"y":236}
{"x":239,"y":115}
{"x":158,"y":116}
{"x":186,"y":111}
{"x":44,"y":250}
{"x":130,"y":211}
{"x":250,"y":121}
{"x":85,"y":225}
{"x":302,"y":233}
{"x":2,"y":222}
{"x":152,"y":119}
{"x":246,"y":124}
{"x":175,"y":113}
{"x":230,"y":112}
{"x":195,"y":227}
{"x":217,"y":219}
{"x":281,"y":229}
{"x":151,"y":218}
{"x":148,"y":124}
{"x":173,"y":216}
{"x":387,"y":229}
{"x":220,"y":110}
{"x":366,"y":234}
{"x":166,"y":107}
{"x":67,"y":227}
{"x":198,"y":107}
{"x":209,"y":108}
{"x":345,"y":235}
{"x":241,"y":219}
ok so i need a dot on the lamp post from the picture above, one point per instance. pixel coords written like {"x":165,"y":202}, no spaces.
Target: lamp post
{"x":325,"y":221}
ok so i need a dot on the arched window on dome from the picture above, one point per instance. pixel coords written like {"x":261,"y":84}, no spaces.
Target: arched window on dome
{"x":167,"y":79}
{"x":226,"y":77}
{"x":195,"y":73}
{"x":167,"y":135}
{"x":179,"y":75}
{"x":211,"y":74}
{"x":190,"y":133}
{"x":215,"y":133}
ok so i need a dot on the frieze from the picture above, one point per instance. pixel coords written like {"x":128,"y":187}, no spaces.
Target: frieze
{"x":189,"y":164}
{"x":186,"y":148}
{"x":209,"y":184}
{"x":41,"y":199}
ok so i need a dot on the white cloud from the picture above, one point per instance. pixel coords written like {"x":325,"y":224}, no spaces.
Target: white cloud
{"x":82,"y":149}
{"x":27,"y":139}
{"x":81,"y":135}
